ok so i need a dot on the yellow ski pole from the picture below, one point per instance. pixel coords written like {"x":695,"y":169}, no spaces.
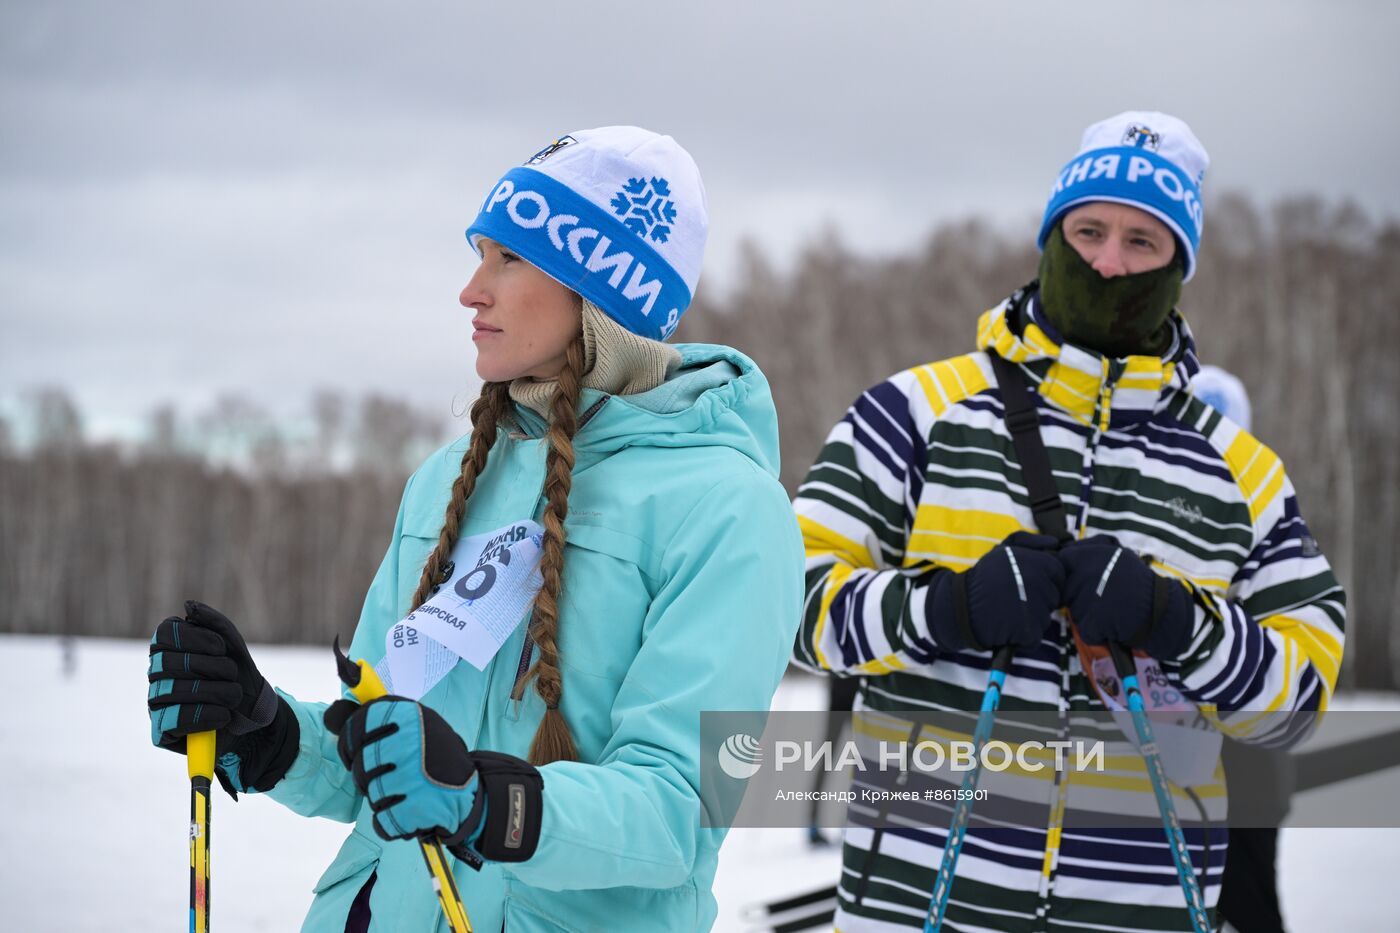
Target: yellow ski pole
{"x":199,"y":754}
{"x":365,"y":685}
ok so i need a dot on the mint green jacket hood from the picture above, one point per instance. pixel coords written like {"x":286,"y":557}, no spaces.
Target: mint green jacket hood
{"x":682,"y":593}
{"x":718,"y":398}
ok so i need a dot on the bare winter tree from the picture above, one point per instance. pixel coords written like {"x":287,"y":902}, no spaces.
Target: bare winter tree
{"x":58,"y":428}
{"x":386,"y":434}
{"x":328,"y":411}
{"x":162,"y":432}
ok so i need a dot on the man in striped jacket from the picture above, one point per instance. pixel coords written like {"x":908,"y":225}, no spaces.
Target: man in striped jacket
{"x":920,"y":557}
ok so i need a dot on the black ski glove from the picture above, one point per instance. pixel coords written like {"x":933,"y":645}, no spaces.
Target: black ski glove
{"x":420,"y":780}
{"x":1114,"y":596}
{"x":1006,"y":598}
{"x":202,"y":678}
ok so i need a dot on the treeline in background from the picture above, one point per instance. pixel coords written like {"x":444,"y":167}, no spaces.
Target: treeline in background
{"x":1301,"y":300}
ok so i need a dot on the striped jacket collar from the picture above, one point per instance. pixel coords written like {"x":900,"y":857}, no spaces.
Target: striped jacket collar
{"x":1078,"y":380}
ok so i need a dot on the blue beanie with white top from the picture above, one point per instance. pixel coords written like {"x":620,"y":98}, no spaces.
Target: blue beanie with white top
{"x":616,"y":214}
{"x":1143,"y":159}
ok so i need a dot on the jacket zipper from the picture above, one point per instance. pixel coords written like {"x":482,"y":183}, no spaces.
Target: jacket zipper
{"x":1103,"y":411}
{"x":1050,"y":867}
{"x":517,"y":690}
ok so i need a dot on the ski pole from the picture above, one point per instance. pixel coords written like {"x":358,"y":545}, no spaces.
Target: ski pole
{"x":199,"y":757}
{"x":952,"y":848}
{"x":755,"y":913}
{"x":1147,"y":744}
{"x":800,"y":912}
{"x":365,"y":685}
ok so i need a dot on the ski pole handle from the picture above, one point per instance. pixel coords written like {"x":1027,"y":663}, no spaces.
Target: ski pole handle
{"x":361,"y":679}
{"x":199,"y":758}
{"x":364,"y":685}
{"x":1122,"y":660}
{"x":199,"y":755}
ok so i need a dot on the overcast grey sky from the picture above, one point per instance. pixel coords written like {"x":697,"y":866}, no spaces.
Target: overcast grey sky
{"x":268,"y":197}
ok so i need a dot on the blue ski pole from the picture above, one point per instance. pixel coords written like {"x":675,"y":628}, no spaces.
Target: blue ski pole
{"x":1147,"y":744}
{"x":943,"y":884}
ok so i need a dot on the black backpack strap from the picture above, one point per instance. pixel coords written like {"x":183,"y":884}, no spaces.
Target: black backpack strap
{"x":1023,"y":421}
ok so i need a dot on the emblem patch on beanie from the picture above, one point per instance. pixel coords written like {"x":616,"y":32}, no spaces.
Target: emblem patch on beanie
{"x":1142,"y":137}
{"x":549,"y":150}
{"x":646,"y":208}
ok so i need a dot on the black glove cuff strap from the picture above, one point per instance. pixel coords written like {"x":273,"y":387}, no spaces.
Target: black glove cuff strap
{"x":960,"y":612}
{"x":260,"y":716}
{"x":1161,"y":596}
{"x":513,"y":792}
{"x":457,"y":844}
{"x":266,"y":755}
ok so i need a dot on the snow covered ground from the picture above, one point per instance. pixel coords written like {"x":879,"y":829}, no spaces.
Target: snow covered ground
{"x":93,"y":820}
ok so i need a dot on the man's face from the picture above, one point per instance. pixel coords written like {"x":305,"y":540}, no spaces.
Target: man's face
{"x":1116,"y":239}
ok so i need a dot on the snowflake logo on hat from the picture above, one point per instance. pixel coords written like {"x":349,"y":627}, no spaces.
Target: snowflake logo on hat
{"x":646,"y":208}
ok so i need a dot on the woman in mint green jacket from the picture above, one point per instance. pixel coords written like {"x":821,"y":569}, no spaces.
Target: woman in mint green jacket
{"x":618,"y":493}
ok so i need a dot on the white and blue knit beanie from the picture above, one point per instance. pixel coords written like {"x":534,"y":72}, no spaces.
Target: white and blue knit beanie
{"x":1223,"y":391}
{"x":616,"y":214}
{"x":1143,"y":159}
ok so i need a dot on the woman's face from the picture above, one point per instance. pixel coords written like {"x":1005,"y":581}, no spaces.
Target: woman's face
{"x":524,"y":321}
{"x":1117,"y":239}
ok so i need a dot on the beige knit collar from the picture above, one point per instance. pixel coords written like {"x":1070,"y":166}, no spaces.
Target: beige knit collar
{"x":615,"y":362}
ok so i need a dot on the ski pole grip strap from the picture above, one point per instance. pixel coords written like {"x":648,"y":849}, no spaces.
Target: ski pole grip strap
{"x":1023,"y":422}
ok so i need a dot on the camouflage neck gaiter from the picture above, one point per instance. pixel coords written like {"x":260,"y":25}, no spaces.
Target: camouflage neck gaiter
{"x":1122,"y":316}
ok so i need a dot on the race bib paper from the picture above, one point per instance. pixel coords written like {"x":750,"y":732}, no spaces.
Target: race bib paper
{"x":1188,"y":744}
{"x":494,"y":579}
